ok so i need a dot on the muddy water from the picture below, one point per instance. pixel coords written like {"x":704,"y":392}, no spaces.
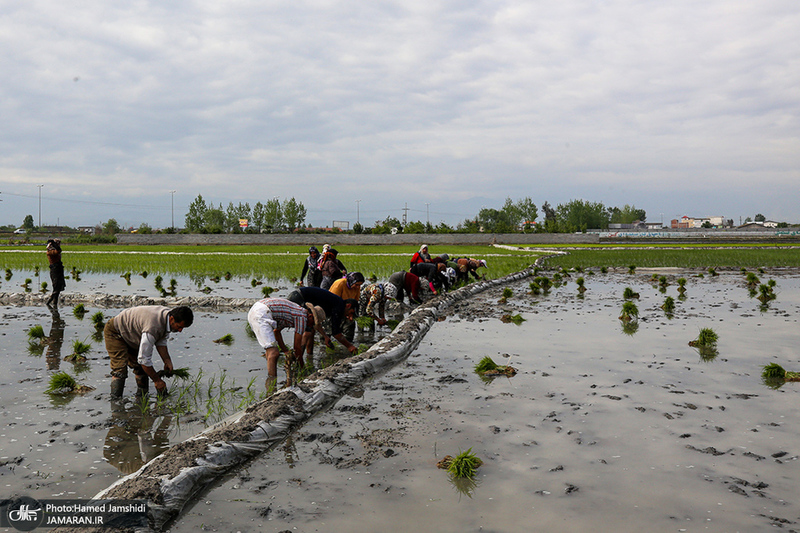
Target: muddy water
{"x":634,"y":432}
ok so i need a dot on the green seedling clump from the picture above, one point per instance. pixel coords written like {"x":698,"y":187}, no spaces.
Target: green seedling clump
{"x":61,"y":382}
{"x":669,"y":305}
{"x":80,"y":348}
{"x":707,"y":337}
{"x":98,"y":319}
{"x":462,"y":465}
{"x":487,"y":367}
{"x":516,"y":319}
{"x":266,"y":291}
{"x":629,"y":312}
{"x":774,"y":371}
{"x":364,"y":322}
{"x":79,"y":311}
{"x":507,"y":293}
{"x":629,"y":294}
{"x":36,"y":332}
{"x":226,"y":339}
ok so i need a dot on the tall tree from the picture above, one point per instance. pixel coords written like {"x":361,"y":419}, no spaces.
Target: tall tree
{"x":273,"y":215}
{"x":28,"y":222}
{"x":580,"y":215}
{"x":214,"y":219}
{"x":294,"y":213}
{"x":196,"y":216}
{"x":258,"y":216}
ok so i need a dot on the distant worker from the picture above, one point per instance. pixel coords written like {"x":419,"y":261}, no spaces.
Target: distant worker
{"x":130,"y":338}
{"x":56,"y":270}
{"x":406,"y":282}
{"x":466,"y":266}
{"x":433,"y":272}
{"x":311,"y":268}
{"x":422,"y":256}
{"x":332,"y":269}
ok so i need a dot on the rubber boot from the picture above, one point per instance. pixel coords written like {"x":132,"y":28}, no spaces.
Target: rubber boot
{"x":117,"y":387}
{"x":142,"y":386}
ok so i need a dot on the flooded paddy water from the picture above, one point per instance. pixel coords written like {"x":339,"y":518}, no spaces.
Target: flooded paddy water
{"x":634,"y":431}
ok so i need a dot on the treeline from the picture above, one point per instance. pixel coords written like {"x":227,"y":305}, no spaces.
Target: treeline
{"x":523,"y":216}
{"x":272,"y":216}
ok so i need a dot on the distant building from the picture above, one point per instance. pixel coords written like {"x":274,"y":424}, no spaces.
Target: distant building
{"x":686,"y":222}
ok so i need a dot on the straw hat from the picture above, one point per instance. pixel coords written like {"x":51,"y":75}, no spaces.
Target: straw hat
{"x":317,"y":312}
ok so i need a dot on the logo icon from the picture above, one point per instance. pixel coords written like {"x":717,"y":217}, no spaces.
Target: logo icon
{"x":25,"y":514}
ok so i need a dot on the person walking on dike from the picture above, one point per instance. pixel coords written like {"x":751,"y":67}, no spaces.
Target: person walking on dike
{"x":130,"y":338}
{"x":311,"y":267}
{"x":56,"y":270}
{"x":422,"y":256}
{"x":334,"y":307}
{"x":267,"y":317}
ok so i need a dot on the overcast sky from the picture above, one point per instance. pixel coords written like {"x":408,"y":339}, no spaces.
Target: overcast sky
{"x":678,"y":107}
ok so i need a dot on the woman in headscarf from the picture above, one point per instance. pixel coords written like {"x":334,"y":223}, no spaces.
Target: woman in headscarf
{"x":311,"y":268}
{"x":331,"y":268}
{"x":56,"y":270}
{"x":422,"y":256}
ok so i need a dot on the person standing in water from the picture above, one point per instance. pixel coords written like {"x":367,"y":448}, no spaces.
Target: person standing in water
{"x":56,"y":271}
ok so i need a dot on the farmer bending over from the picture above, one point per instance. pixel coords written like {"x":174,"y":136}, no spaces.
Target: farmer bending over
{"x":130,"y":338}
{"x":268,"y":317}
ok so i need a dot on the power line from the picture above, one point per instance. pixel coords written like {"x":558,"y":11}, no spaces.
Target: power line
{"x":90,"y":202}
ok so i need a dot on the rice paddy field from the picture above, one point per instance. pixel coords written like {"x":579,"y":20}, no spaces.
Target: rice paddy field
{"x":605,"y":422}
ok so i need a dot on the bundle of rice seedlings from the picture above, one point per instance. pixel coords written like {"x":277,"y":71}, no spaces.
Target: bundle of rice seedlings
{"x":629,"y":294}
{"x":266,"y":291}
{"x":581,"y":282}
{"x":776,"y":371}
{"x":392,"y":323}
{"x":80,"y":348}
{"x":98,"y":319}
{"x":632,"y":269}
{"x":669,"y":305}
{"x":487,"y":367}
{"x":516,"y":319}
{"x":629,"y":312}
{"x":79,"y":311}
{"x":226,"y":339}
{"x":462,"y":465}
{"x":180,"y":373}
{"x":364,"y":322}
{"x":706,"y":337}
{"x":485,"y":364}
{"x":36,"y":332}
{"x":61,"y":382}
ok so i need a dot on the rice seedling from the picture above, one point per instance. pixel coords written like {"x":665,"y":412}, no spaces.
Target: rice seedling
{"x":631,"y":269}
{"x":27,"y":284}
{"x":227,"y":276}
{"x":365,"y":323}
{"x":681,"y":285}
{"x":712,"y":271}
{"x":604,"y":269}
{"x":653,"y":277}
{"x":158,"y":281}
{"x":773,"y":371}
{"x":630,"y":328}
{"x":254,"y":283}
{"x":180,"y":373}
{"x":143,"y":273}
{"x":61,"y":382}
{"x":669,"y":305}
{"x":9,"y":274}
{"x":248,"y":329}
{"x":706,"y":337}
{"x":663,"y":281}
{"x":629,"y":312}
{"x":392,"y":323}
{"x":629,"y":294}
{"x":35,"y":348}
{"x":43,"y":287}
{"x":79,"y":311}
{"x":98,"y":319}
{"x":564,"y":272}
{"x":226,"y":339}
{"x":266,"y":291}
{"x":761,"y":270}
{"x":36,"y":270}
{"x":80,"y":348}
{"x":486,"y":367}
{"x":581,"y":284}
{"x":765,"y":293}
{"x":578,"y":269}
{"x":36,"y":332}
{"x":127,"y":277}
{"x":544,"y":283}
{"x":535,"y":288}
{"x":462,"y":465}
{"x":507,"y":293}
{"x":516,"y":319}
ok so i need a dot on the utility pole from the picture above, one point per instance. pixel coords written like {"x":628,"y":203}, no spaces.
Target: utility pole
{"x":40,"y":205}
{"x":172,"y":194}
{"x":405,"y":215}
{"x":428,"y":211}
{"x":358,"y":211}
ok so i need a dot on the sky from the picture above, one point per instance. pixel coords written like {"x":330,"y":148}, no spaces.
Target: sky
{"x":361,"y":110}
